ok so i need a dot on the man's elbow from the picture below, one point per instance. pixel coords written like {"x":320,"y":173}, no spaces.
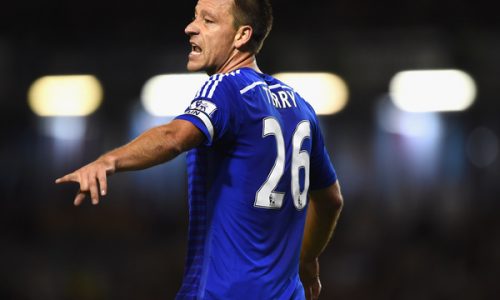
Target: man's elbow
{"x":337,"y":198}
{"x":181,"y":136}
{"x":173,"y":146}
{"x":334,"y":202}
{"x":329,"y":199}
{"x":169,"y":145}
{"x":338,"y":202}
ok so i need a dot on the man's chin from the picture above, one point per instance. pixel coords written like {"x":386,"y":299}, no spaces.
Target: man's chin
{"x":192,"y":67}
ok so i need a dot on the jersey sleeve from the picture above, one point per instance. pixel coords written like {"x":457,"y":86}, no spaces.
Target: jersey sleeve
{"x":210,"y":110}
{"x":322,"y":173}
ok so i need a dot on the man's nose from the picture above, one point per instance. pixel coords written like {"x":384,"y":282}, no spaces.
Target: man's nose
{"x":191,"y":28}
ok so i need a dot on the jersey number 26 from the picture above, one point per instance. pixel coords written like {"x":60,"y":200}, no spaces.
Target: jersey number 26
{"x":266,"y":196}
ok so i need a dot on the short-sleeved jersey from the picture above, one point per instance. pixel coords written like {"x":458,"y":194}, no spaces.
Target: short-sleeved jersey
{"x":247,"y":187}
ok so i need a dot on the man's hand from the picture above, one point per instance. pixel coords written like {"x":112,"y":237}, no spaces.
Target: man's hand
{"x":309,"y":275}
{"x":92,"y":179}
{"x":154,"y":146}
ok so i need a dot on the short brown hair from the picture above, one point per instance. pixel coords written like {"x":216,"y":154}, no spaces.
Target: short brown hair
{"x":257,"y":14}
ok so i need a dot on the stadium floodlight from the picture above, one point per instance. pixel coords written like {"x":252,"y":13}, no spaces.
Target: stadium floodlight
{"x":170,"y":94}
{"x":432,"y":90}
{"x":65,"y":95}
{"x":326,"y":92}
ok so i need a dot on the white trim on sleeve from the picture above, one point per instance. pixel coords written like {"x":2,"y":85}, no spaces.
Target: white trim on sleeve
{"x":205,"y":119}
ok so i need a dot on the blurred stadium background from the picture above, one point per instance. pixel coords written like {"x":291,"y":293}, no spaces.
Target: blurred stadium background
{"x":421,"y":189}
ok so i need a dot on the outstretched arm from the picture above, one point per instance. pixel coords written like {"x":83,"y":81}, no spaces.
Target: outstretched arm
{"x":322,"y":216}
{"x":154,"y":146}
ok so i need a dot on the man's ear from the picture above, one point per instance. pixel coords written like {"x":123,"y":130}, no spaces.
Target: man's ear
{"x":243,"y":36}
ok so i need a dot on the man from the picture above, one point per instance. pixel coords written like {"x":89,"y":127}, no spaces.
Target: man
{"x":256,"y":159}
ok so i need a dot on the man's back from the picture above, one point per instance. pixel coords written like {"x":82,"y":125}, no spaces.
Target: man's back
{"x":257,"y":146}
{"x":248,"y":187}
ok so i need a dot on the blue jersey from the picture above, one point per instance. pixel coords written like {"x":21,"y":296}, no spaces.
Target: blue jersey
{"x":248,"y":187}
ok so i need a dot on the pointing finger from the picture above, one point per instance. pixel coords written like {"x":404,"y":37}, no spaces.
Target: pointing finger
{"x":67,"y":178}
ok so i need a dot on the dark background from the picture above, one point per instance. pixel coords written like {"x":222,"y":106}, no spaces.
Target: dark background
{"x":421,"y":213}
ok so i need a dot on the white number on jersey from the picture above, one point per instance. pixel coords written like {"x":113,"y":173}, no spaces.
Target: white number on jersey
{"x":266,"y":196}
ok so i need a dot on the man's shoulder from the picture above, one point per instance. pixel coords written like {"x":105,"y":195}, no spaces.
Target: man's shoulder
{"x":229,"y":77}
{"x":227,"y":84}
{"x":218,"y":85}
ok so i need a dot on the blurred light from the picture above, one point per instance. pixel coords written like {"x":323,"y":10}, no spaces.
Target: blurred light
{"x":327,"y":93}
{"x":70,"y":95}
{"x":416,"y":139}
{"x":141,"y":121}
{"x":482,"y":147}
{"x":409,"y":124}
{"x":64,"y":128}
{"x":433,"y":90}
{"x":170,"y":95}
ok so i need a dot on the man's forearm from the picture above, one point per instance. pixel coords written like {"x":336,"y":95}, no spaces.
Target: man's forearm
{"x":322,"y":216}
{"x":154,"y":146}
{"x":148,"y":149}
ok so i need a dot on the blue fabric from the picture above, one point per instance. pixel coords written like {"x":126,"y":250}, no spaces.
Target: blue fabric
{"x":237,"y":249}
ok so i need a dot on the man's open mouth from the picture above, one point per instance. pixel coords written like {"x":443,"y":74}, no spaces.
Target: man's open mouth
{"x":195,"y":48}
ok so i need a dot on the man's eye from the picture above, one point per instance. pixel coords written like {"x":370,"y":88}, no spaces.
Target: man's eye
{"x":208,"y":20}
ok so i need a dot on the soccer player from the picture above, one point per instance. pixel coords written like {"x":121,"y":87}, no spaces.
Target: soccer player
{"x":263,"y":195}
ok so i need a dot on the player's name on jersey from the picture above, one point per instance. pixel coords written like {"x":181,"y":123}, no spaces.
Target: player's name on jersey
{"x":282,"y":98}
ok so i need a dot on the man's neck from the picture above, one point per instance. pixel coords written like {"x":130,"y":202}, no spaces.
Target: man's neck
{"x":239,"y":60}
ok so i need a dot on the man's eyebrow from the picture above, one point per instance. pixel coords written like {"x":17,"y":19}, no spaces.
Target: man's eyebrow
{"x":204,"y":12}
